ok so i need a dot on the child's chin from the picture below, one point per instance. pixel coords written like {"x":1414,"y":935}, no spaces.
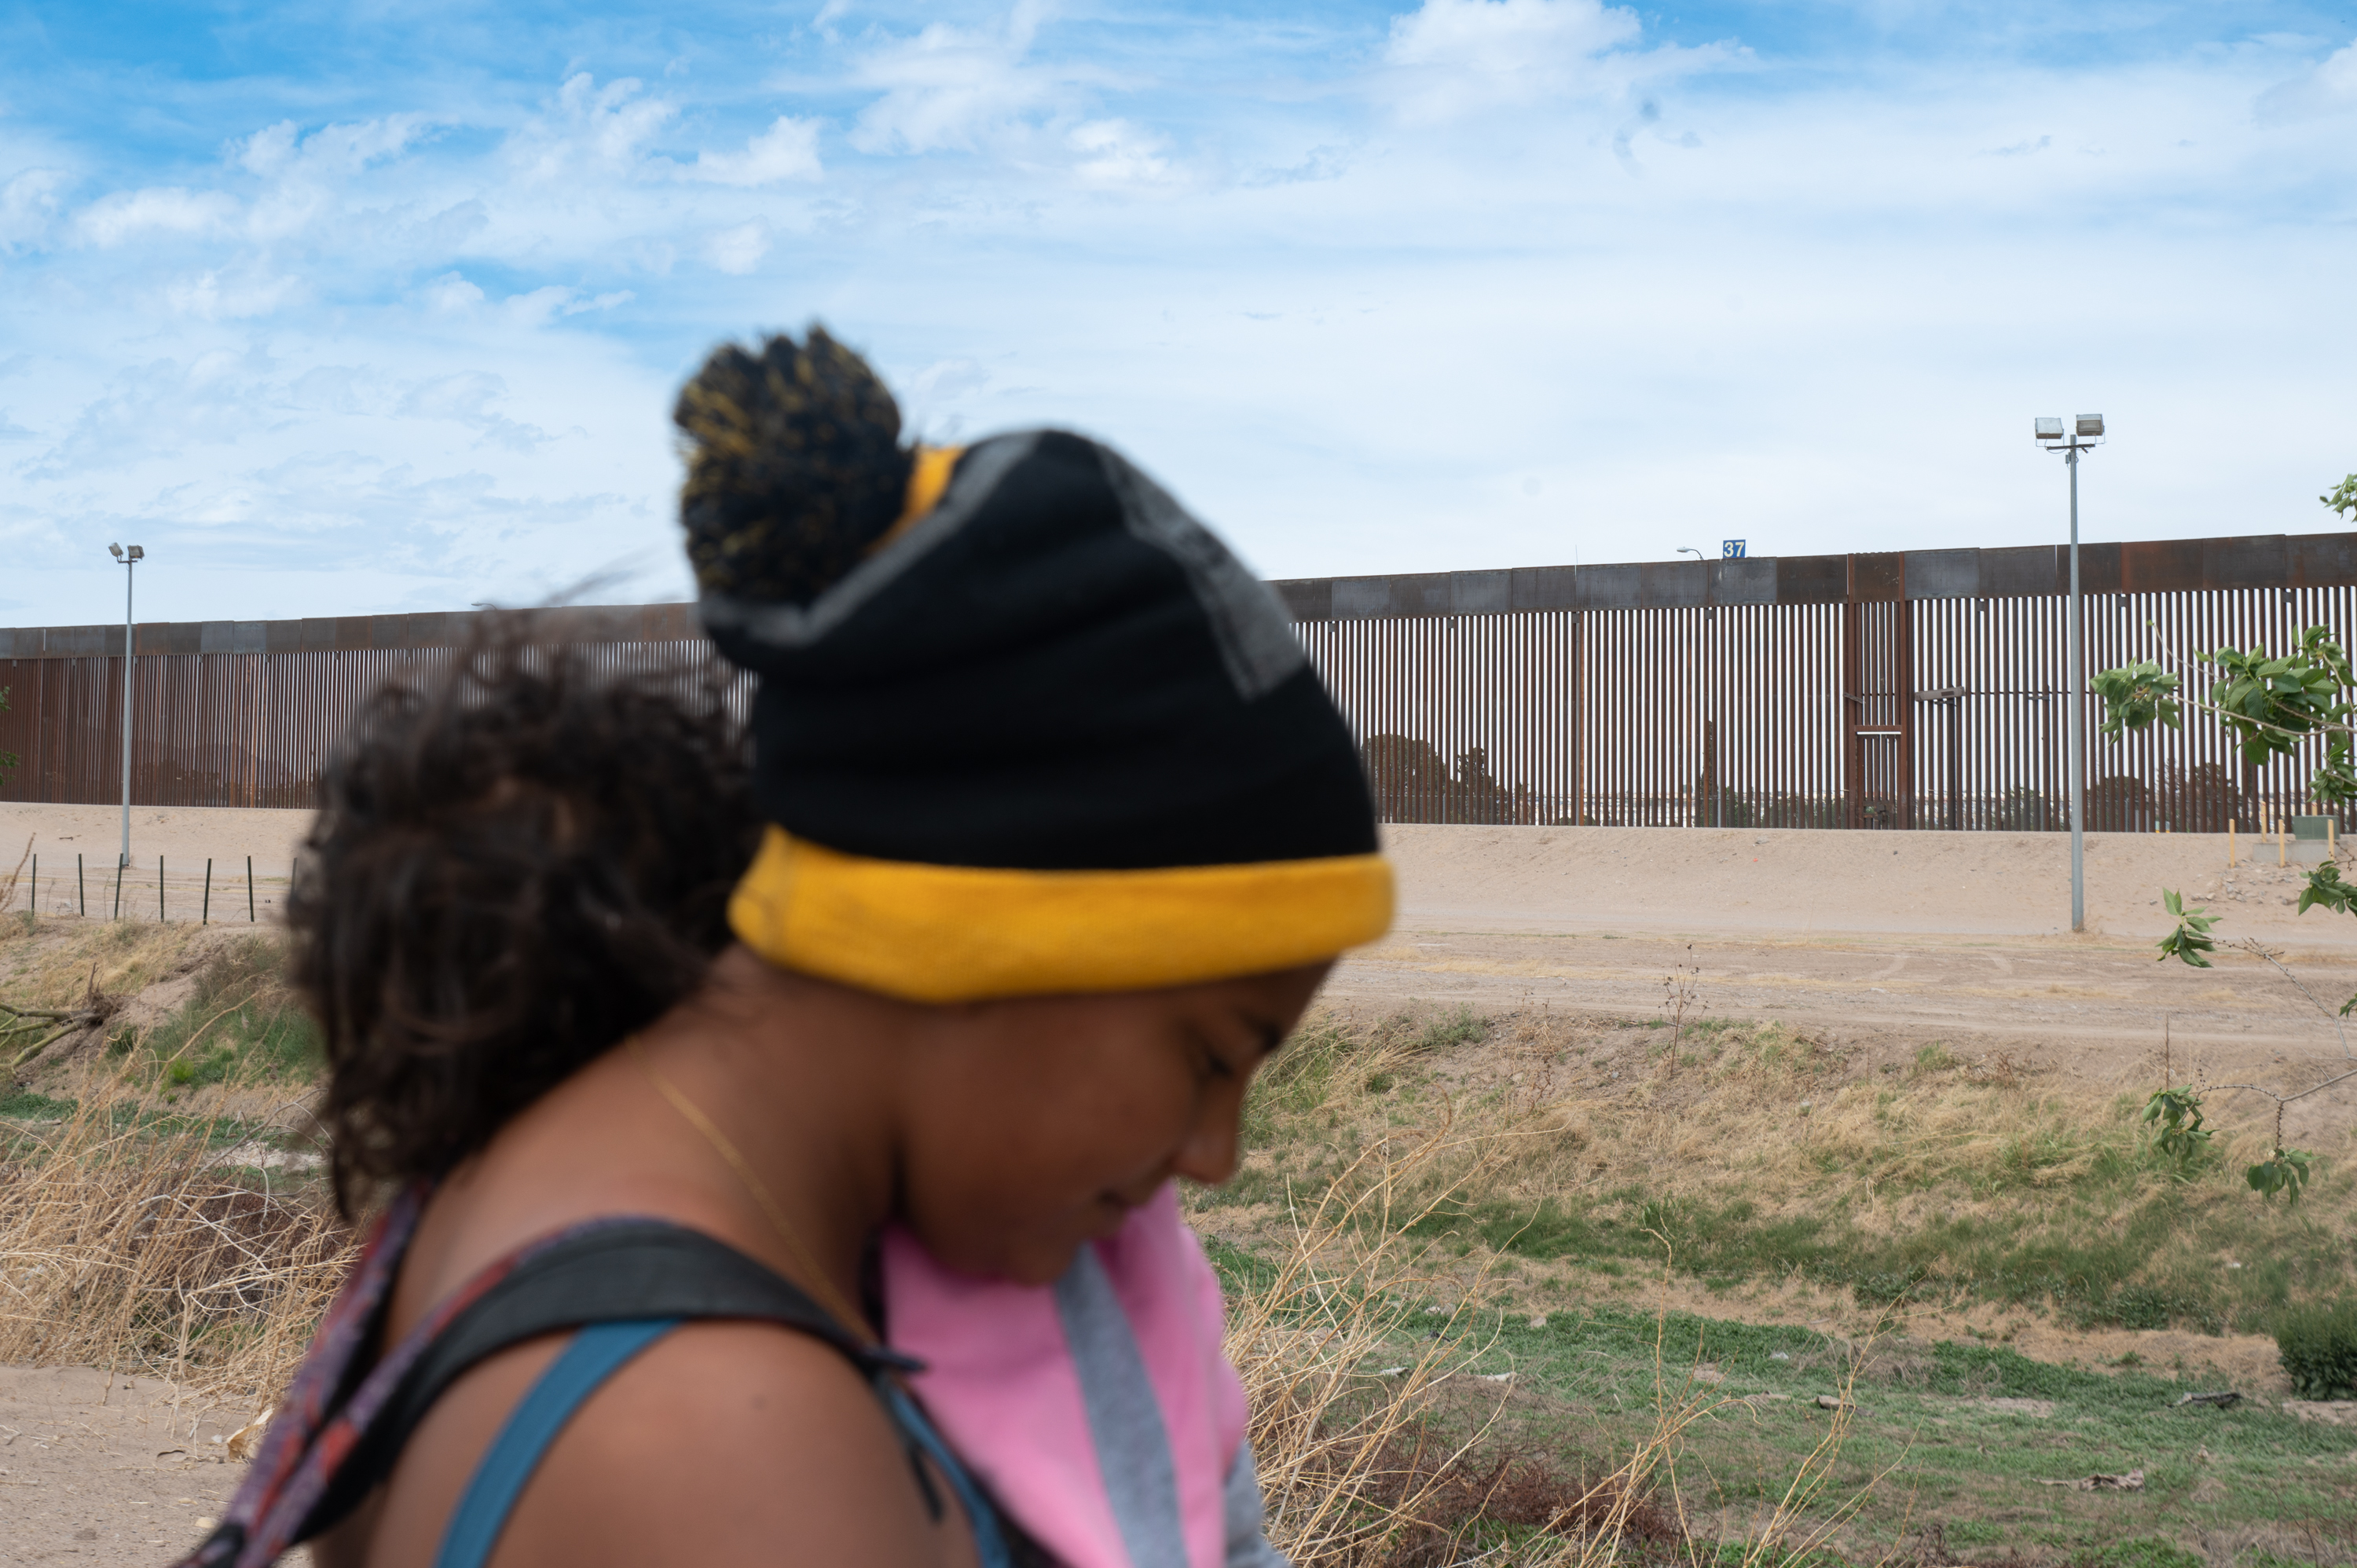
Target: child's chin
{"x":1026,"y":1261}
{"x":1042,"y":1264}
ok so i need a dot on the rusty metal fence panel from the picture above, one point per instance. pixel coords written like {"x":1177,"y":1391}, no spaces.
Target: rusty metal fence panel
{"x":1923,"y":689}
{"x":247,"y":715}
{"x":1917,"y":689}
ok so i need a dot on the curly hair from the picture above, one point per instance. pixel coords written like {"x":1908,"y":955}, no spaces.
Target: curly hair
{"x":514,"y":868}
{"x":794,"y":467}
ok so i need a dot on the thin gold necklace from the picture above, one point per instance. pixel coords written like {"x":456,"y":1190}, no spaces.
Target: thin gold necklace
{"x":851,"y":1318}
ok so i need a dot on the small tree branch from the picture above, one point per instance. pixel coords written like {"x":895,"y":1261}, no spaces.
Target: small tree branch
{"x":2252,"y":945}
{"x":2282,"y":1099}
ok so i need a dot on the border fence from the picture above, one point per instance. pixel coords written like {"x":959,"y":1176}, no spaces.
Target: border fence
{"x":1915,"y":688}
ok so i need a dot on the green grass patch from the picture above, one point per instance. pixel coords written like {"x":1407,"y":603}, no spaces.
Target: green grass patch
{"x":2319,"y":1346}
{"x":1963,"y":1435}
{"x":240,"y":1024}
{"x":24,"y":1105}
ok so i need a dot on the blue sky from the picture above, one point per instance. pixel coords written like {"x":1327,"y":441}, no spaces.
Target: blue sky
{"x":357,"y":306}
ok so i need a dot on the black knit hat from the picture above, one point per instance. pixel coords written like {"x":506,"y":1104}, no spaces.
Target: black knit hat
{"x":1049,"y":669}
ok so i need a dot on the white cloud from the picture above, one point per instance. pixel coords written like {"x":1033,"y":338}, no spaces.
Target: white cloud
{"x":270,"y":149}
{"x":739,"y":249}
{"x":787,"y":150}
{"x":590,"y":128}
{"x":451,"y":293}
{"x":1115,"y":153}
{"x":1452,"y":58}
{"x":330,"y":155}
{"x":2329,"y":89}
{"x":27,"y":203}
{"x":541,"y":306}
{"x":223,"y":294}
{"x":171,"y":209}
{"x":949,"y":87}
{"x":533,"y":309}
{"x":466,"y":398}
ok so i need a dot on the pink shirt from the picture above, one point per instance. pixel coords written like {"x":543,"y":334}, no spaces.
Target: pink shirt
{"x":1099,"y":1411}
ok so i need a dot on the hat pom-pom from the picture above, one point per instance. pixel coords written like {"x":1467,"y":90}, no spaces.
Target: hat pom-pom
{"x":794,"y":467}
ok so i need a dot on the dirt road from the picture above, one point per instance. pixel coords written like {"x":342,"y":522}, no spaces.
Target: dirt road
{"x":1953,"y":942}
{"x":107,"y":1472}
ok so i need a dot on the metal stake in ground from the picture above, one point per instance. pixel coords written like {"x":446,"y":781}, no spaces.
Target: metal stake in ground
{"x":81,"y":887}
{"x":206,"y":917}
{"x":2087,"y":433}
{"x":118,"y":891}
{"x":159,"y":889}
{"x":249,"y":889}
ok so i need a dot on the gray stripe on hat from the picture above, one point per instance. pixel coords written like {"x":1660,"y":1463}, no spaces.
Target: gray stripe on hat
{"x":1249,"y":622}
{"x":1124,"y":1416}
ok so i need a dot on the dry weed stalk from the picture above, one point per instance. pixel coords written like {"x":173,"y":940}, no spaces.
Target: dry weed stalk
{"x":123,"y":1245}
{"x":8,"y":885}
{"x":1328,"y":1432}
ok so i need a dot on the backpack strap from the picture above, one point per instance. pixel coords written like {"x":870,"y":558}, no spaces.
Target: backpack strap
{"x":595,"y":1354}
{"x":621,"y":1270}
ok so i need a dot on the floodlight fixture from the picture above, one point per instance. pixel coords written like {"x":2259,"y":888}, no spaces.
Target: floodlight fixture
{"x":137,"y":553}
{"x":2086,"y":433}
{"x":116,"y":551}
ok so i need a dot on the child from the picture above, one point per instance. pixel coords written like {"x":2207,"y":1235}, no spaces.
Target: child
{"x":1060,"y":834}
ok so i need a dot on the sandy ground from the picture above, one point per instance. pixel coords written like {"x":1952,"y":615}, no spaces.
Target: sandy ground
{"x":1768,"y":882}
{"x":183,"y":837}
{"x":1789,"y":882}
{"x":1893,"y":939}
{"x":98,"y":1471}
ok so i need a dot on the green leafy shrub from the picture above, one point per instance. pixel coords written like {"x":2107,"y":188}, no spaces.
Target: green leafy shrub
{"x":241,"y":1021}
{"x":2319,"y":1346}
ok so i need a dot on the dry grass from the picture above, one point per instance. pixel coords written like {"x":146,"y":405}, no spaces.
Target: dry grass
{"x":1780,"y":1162}
{"x":1358,"y":1462}
{"x":126,"y":1243}
{"x":56,"y":962}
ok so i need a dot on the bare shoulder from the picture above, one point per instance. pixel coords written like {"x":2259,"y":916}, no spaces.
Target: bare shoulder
{"x":731,"y":1442}
{"x":721,"y":1443}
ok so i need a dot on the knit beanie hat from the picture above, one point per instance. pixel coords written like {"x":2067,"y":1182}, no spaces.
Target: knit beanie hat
{"x":1023,"y":725}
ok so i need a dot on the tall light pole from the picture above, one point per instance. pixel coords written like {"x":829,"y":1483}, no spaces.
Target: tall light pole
{"x":2086,"y":433}
{"x":130,"y":560}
